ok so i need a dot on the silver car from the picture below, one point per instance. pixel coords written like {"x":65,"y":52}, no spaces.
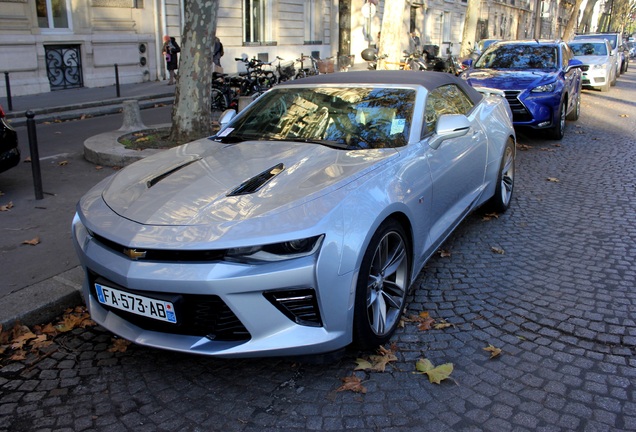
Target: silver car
{"x":300,"y":227}
{"x":596,"y":54}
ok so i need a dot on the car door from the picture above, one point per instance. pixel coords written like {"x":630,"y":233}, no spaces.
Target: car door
{"x":571,"y":76}
{"x":458,"y":164}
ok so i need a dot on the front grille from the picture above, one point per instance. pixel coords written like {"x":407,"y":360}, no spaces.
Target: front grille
{"x":519,"y":111}
{"x":197,"y":315}
{"x":164,"y":255}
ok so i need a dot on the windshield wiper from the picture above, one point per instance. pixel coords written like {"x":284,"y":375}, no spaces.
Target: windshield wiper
{"x":328,"y":143}
{"x":235,"y":138}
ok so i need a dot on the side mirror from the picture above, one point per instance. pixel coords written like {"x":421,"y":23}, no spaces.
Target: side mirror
{"x":226,"y":117}
{"x":449,"y":126}
{"x":574,"y":64}
{"x":467,"y":63}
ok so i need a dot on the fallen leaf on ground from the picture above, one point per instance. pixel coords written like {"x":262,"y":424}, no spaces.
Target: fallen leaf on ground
{"x":34,"y":241}
{"x":494,"y":351}
{"x":352,"y":383}
{"x":523,"y":147}
{"x":497,"y":250}
{"x":444,"y":253}
{"x":27,"y":159}
{"x":6,"y":207}
{"x":62,"y":163}
{"x":436,"y":374}
{"x":119,"y":345}
{"x":442,"y":325}
{"x":553,"y":179}
{"x":624,"y":115}
{"x":376,"y":362}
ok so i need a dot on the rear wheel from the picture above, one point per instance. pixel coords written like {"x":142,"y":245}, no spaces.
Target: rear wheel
{"x":382,"y":286}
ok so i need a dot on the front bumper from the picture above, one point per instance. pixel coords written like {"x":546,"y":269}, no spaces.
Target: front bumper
{"x":536,"y":110}
{"x":233,"y":299}
{"x":595,"y":78}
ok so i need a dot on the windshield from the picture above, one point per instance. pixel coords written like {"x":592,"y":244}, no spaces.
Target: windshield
{"x":588,"y":48}
{"x":612,"y":38}
{"x":341,"y":117}
{"x":518,"y":57}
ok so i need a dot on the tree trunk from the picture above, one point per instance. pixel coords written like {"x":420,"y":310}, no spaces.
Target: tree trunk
{"x":470,"y":28}
{"x":586,"y":19}
{"x":191,"y":109}
{"x":568,"y":32}
{"x":393,"y":30}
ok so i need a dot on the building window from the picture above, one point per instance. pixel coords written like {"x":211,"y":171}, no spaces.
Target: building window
{"x":257,"y":16}
{"x":446,"y":27}
{"x":52,"y":14}
{"x":313,"y":21}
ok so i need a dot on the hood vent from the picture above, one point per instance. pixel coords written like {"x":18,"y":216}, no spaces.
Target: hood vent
{"x":154,"y":181}
{"x":255,"y":183}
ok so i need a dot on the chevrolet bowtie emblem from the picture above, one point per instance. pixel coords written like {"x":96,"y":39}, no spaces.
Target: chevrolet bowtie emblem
{"x":134,"y":254}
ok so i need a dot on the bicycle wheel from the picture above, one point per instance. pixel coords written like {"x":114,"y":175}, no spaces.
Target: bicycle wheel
{"x":266,"y":80}
{"x":219,"y":100}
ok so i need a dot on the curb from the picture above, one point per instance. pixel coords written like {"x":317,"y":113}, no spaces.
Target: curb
{"x":48,"y":299}
{"x":104,"y":149}
{"x":92,"y":109}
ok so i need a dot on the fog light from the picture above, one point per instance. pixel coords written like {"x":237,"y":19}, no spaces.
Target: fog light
{"x":545,"y":123}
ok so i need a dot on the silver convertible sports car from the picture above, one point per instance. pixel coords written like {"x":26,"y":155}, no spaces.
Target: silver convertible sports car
{"x":298,"y":228}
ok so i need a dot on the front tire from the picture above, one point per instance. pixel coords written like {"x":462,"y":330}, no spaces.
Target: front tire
{"x":382,"y":286}
{"x":500,"y":201}
{"x":558,"y":130}
{"x":576,"y":112}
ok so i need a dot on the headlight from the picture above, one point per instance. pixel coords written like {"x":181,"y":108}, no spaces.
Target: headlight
{"x":80,"y":232}
{"x":546,"y":88}
{"x":599,"y":66}
{"x":276,"y":251}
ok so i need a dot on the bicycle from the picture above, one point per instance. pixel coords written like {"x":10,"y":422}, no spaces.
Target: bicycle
{"x":255,"y":80}
{"x":303,"y":71}
{"x":223,"y":94}
{"x":284,"y":72}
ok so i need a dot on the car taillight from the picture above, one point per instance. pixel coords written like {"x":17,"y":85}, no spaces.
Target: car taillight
{"x":1,"y":112}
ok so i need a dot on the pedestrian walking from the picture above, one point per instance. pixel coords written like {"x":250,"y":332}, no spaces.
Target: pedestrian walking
{"x":414,"y":42}
{"x":170,"y":50}
{"x":217,"y":53}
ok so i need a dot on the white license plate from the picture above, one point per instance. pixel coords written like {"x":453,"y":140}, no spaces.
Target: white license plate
{"x":139,"y":305}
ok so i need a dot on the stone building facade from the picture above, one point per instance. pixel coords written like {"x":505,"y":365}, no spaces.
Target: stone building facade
{"x":46,"y":45}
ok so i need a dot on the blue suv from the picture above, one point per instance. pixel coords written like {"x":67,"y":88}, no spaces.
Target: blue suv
{"x":541,"y":81}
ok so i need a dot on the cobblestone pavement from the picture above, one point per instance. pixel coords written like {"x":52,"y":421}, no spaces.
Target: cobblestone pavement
{"x":560,"y":302}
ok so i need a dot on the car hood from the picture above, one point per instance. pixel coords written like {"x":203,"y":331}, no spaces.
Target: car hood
{"x":593,"y":59}
{"x":206,"y":181}
{"x":509,"y":79}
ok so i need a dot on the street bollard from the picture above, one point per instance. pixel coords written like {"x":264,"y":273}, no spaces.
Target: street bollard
{"x":35,"y":156}
{"x":117,"y":80}
{"x":7,"y":84}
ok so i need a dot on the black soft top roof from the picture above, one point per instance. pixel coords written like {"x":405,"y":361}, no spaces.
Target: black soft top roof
{"x":428,"y":80}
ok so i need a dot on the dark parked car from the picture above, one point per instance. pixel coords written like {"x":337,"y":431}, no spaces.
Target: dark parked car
{"x":541,"y":81}
{"x":9,"y":152}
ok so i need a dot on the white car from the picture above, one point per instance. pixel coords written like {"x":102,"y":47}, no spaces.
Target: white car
{"x":596,"y":54}
{"x":300,"y":227}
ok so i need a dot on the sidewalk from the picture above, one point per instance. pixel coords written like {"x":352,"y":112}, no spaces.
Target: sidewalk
{"x":44,"y":300}
{"x":74,"y":103}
